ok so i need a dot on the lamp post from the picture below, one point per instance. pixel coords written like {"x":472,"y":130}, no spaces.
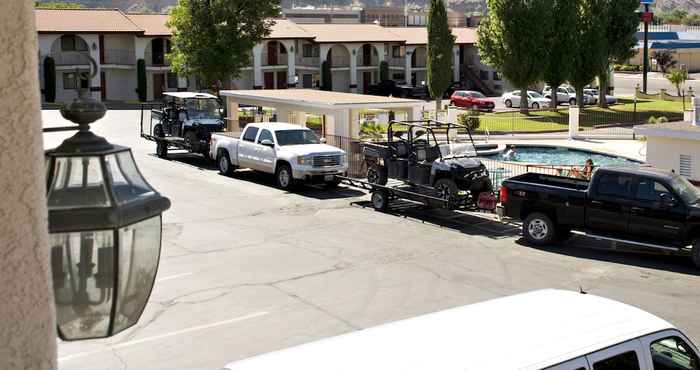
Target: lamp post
{"x":104,"y":229}
{"x":646,"y":17}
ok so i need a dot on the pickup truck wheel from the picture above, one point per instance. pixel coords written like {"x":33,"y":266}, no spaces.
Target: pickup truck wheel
{"x":538,"y":229}
{"x":380,"y":200}
{"x":284,"y":177}
{"x":377,"y":174}
{"x":224,"y":162}
{"x":696,"y":252}
{"x":162,"y":149}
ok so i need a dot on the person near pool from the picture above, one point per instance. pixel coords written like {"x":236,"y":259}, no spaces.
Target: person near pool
{"x":510,"y":154}
{"x":584,"y":173}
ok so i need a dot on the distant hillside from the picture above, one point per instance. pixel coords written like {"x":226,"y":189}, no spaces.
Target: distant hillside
{"x":692,"y":6}
{"x":164,"y":5}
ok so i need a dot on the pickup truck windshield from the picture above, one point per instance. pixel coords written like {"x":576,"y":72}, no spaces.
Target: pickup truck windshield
{"x":687,"y":191}
{"x":296,"y":137}
{"x":202,"y":109}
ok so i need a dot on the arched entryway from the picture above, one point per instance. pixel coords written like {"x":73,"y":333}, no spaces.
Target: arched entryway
{"x":339,"y":58}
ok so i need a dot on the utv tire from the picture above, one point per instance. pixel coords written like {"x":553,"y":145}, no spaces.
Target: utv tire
{"x":509,"y":104}
{"x":224,"y":164}
{"x":377,"y":174}
{"x":158,"y":131}
{"x":380,"y":200}
{"x":446,"y":189}
{"x":284,"y":177}
{"x":695,"y":252}
{"x":162,"y":149}
{"x":538,"y":229}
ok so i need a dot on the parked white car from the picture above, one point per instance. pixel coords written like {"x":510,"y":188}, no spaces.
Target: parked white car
{"x":291,"y":152}
{"x":534,"y":99}
{"x":594,"y":92}
{"x":567,"y":94}
{"x":546,"y":329}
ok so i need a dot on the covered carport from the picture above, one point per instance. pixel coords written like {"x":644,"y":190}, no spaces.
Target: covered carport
{"x":340,"y":111}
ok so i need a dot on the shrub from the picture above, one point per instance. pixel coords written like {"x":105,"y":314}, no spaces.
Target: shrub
{"x":49,"y":80}
{"x":470,"y":119}
{"x":372,"y":131}
{"x":141,"y":80}
{"x":655,"y":120}
{"x":326,"y":77}
{"x":383,"y":70}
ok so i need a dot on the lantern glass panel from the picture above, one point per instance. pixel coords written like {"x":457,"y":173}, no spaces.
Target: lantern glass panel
{"x":127,"y":183}
{"x":82,"y":264}
{"x":139,"y":252}
{"x":77,"y":183}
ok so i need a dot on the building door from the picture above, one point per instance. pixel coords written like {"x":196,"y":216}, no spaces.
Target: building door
{"x":307,"y":81}
{"x":366,"y":81}
{"x":103,"y":86}
{"x":269,"y":80}
{"x":158,"y":85}
{"x":272,"y":53}
{"x":281,"y":79}
{"x":157,"y":52}
{"x":366,"y":55}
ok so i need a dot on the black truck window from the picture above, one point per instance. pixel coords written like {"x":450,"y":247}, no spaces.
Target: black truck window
{"x":650,"y":190}
{"x":615,"y":185}
{"x":250,"y":134}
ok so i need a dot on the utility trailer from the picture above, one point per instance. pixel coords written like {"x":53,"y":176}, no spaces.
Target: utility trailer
{"x":185,"y":121}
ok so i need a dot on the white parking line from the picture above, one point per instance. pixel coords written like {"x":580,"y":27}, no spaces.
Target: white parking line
{"x":166,"y":335}
{"x":173,"y":277}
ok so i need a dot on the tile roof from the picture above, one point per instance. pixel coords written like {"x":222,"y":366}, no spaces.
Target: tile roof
{"x":419,"y":35}
{"x":332,"y":33}
{"x":84,"y":21}
{"x":152,"y":24}
{"x":286,"y":29}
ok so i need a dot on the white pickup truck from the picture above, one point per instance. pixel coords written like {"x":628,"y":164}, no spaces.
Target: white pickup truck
{"x":292,"y":153}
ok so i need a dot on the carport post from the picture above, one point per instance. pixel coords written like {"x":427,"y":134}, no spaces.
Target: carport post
{"x":574,"y":117}
{"x":232,"y":110}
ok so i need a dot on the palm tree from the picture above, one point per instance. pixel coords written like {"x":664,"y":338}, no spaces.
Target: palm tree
{"x":677,"y":77}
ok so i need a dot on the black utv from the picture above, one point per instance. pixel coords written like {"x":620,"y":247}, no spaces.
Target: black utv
{"x":429,"y":154}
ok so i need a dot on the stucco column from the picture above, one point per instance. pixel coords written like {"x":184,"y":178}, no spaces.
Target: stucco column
{"x":291,"y":63}
{"x":408,"y":69}
{"x":574,"y":120}
{"x":455,"y":63}
{"x":354,"y":50}
{"x":257,"y":67}
{"x":27,"y":327}
{"x":381,"y":52}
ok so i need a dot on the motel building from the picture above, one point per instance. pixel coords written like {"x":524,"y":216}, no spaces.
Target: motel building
{"x":290,"y":57}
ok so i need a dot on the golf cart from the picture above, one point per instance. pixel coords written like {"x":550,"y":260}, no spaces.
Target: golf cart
{"x":185,"y":121}
{"x":432,"y":157}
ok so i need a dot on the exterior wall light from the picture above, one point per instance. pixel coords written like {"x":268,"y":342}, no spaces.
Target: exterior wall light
{"x":104,"y":229}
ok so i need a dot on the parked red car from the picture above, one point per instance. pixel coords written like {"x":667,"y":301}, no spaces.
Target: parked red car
{"x":472,"y":100}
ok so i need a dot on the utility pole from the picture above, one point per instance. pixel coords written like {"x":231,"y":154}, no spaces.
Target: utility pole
{"x":646,"y":16}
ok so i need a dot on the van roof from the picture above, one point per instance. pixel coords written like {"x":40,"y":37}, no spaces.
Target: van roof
{"x":525,"y":331}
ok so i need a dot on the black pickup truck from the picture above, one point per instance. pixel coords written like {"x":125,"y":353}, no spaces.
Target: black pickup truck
{"x":639,"y":206}
{"x":399,"y":90}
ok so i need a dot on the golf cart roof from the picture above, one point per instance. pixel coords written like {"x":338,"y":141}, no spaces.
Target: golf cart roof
{"x":190,"y":95}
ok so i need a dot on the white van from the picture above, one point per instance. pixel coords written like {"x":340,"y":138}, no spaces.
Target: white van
{"x":546,"y":329}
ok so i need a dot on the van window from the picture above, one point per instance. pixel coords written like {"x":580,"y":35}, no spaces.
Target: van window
{"x":673,"y":354}
{"x":250,"y":134}
{"x":623,"y":361}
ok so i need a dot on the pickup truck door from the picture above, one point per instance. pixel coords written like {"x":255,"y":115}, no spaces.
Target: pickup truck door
{"x":246,"y":147}
{"x":653,"y":219}
{"x":608,"y":204}
{"x":265,"y":155}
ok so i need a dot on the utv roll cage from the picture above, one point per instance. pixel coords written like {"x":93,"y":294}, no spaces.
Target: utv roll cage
{"x":428,"y":128}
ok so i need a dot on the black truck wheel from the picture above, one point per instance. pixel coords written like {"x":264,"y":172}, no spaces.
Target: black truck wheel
{"x":377,"y":174}
{"x":224,"y":164}
{"x":696,"y":252}
{"x":162,"y":149}
{"x":284,"y":177}
{"x":380,"y":200}
{"x":538,"y":229}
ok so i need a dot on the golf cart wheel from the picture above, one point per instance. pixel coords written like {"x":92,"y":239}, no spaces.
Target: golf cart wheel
{"x":224,"y":164}
{"x":509,"y":104}
{"x":284,"y":177}
{"x":377,"y":174}
{"x":380,"y":200}
{"x":535,"y":105}
{"x":538,"y":229}
{"x":696,"y":252}
{"x":162,"y":149}
{"x":158,"y":130}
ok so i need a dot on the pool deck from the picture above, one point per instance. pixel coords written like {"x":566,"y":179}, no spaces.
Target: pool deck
{"x":632,"y":149}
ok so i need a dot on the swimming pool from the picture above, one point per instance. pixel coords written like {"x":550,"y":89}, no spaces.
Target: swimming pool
{"x":551,"y":155}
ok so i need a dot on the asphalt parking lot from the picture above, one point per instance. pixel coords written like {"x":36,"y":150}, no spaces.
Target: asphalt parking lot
{"x":246,"y":268}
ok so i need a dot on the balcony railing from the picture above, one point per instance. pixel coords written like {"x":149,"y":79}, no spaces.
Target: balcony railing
{"x":71,"y":58}
{"x":340,"y":61}
{"x":156,"y":60}
{"x":308,"y":61}
{"x":373,"y":61}
{"x":119,"y":56}
{"x":281,"y":60}
{"x":397,"y":62}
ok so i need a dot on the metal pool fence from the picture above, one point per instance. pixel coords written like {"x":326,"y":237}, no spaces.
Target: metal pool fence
{"x":500,"y":170}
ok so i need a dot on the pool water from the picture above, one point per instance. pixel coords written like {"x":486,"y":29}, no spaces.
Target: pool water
{"x":560,"y":156}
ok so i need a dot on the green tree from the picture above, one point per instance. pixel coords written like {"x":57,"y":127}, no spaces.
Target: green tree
{"x":383,"y":71}
{"x":664,"y":59}
{"x":58,"y":5}
{"x":560,"y":45}
{"x":620,"y":24}
{"x":439,"y":55}
{"x":49,"y":80}
{"x":589,"y":45}
{"x":510,"y":43}
{"x":677,"y":77}
{"x":213,"y":39}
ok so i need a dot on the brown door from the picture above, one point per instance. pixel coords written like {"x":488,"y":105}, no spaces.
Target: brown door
{"x":366,"y":81}
{"x":103,"y":86}
{"x":281,"y":79}
{"x":158,"y":86}
{"x":269,"y":80}
{"x":272,"y":53}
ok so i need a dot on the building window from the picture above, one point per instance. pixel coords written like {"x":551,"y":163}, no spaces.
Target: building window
{"x":70,"y":81}
{"x":484,"y":75}
{"x":73,"y":43}
{"x":398,"y":51}
{"x":310,"y":51}
{"x":496,"y":76}
{"x":172,"y":80}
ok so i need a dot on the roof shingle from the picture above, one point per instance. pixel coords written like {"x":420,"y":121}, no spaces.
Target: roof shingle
{"x":84,"y":21}
{"x":151,"y":24}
